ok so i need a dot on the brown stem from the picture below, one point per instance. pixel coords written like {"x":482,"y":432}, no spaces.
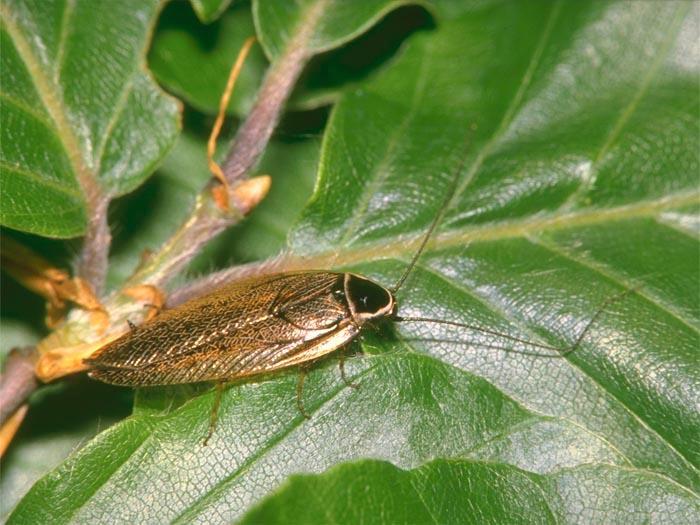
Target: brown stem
{"x":92,"y":265}
{"x":254,"y":134}
{"x":207,"y":220}
{"x":17,"y":382}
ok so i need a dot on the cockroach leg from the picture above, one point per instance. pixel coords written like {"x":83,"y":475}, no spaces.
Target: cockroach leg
{"x":300,"y":390}
{"x":214,"y":415}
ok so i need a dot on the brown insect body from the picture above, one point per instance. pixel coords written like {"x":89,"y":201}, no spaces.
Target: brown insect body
{"x":249,"y":327}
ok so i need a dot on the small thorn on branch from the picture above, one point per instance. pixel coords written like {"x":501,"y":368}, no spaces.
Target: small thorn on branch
{"x":250,"y":192}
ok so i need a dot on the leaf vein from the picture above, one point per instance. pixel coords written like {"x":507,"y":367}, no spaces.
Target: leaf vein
{"x":52,"y":101}
{"x":44,"y":180}
{"x":382,"y":172}
{"x":515,"y":102}
{"x":419,"y":494}
{"x":587,"y":183}
{"x":119,"y":109}
{"x":608,"y":394}
{"x":614,"y":277}
{"x":212,"y":492}
{"x":65,"y":28}
{"x":19,"y":104}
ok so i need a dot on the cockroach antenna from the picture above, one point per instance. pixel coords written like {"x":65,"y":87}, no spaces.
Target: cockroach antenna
{"x":557,"y":351}
{"x":436,"y":220}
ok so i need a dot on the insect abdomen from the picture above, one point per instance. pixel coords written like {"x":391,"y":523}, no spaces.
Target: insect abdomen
{"x":251,"y":327}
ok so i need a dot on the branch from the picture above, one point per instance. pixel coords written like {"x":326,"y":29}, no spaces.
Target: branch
{"x":214,"y":280}
{"x":253,"y":136}
{"x":207,"y":219}
{"x":18,"y":382}
{"x":92,"y":264}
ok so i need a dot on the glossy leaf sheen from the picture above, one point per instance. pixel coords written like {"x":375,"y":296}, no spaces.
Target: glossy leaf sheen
{"x":576,"y":129}
{"x":167,"y":195}
{"x":78,"y":109}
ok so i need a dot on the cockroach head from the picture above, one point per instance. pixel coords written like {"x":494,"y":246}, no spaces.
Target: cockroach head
{"x":367,"y":299}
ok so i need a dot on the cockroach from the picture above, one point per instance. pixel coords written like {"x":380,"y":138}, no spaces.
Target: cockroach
{"x":264,"y":324}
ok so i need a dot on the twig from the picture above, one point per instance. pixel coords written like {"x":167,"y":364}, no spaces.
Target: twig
{"x":208,"y":220}
{"x":255,"y":133}
{"x":92,"y":264}
{"x":17,"y":382}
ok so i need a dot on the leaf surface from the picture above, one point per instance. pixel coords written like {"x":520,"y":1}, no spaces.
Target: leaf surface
{"x":559,"y":132}
{"x":328,"y":23}
{"x":436,"y":493}
{"x":80,"y":113}
{"x":182,"y":45}
{"x":209,"y":10}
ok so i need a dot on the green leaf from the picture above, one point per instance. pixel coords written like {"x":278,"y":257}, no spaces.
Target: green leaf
{"x":329,"y":23}
{"x":435,"y":493}
{"x":39,"y":448}
{"x":79,"y":111}
{"x":572,"y":128}
{"x":182,"y":46}
{"x":566,"y":137}
{"x":209,"y":10}
{"x":404,"y":400}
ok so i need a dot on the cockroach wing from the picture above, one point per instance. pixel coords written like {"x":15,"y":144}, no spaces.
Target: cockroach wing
{"x":249,"y":327}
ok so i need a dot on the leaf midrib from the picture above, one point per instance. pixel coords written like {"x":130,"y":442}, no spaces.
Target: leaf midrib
{"x":515,"y":102}
{"x":587,"y":182}
{"x":402,"y":246}
{"x":399,"y":246}
{"x":382,"y":170}
{"x":45,"y":180}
